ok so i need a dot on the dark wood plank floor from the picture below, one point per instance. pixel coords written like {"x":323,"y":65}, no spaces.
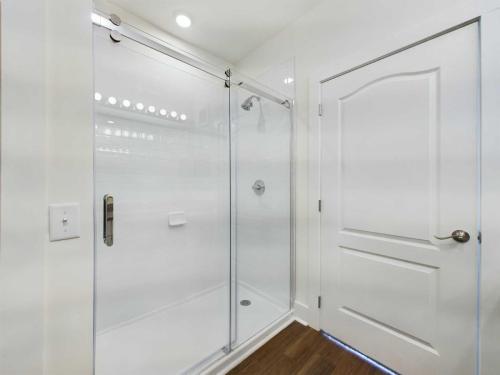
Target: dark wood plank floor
{"x":303,"y":351}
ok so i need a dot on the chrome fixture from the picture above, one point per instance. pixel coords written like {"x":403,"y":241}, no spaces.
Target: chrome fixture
{"x":115,"y":20}
{"x":108,"y":220}
{"x":259,"y":187}
{"x":263,"y":94}
{"x":458,"y":235}
{"x":115,"y":36}
{"x":248,"y":103}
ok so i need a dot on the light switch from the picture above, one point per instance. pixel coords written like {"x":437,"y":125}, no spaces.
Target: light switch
{"x":64,"y":221}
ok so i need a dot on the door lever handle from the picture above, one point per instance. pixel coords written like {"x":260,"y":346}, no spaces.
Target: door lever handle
{"x":458,"y":235}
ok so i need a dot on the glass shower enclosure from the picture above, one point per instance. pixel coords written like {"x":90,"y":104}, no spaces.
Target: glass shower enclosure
{"x":192,"y":209}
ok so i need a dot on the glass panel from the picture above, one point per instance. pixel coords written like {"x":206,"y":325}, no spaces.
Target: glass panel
{"x":261,"y":131}
{"x":162,"y":152}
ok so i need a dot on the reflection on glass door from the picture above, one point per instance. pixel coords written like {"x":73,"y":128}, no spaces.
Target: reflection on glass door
{"x":161,"y":153}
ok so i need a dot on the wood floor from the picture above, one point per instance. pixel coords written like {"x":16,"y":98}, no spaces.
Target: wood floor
{"x":303,"y":351}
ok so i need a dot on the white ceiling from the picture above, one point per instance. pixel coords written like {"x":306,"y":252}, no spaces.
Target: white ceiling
{"x":227,"y":28}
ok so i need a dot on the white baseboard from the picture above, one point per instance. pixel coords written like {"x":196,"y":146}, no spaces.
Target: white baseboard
{"x":301,"y":310}
{"x":301,"y":321}
{"x":224,"y":365}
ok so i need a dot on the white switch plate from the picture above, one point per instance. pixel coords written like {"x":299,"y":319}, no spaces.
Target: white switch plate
{"x":64,"y":221}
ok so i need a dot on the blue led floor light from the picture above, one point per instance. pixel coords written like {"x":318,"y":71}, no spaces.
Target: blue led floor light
{"x":359,"y":354}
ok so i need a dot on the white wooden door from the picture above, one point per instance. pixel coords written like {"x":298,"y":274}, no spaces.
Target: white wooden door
{"x":398,"y":166}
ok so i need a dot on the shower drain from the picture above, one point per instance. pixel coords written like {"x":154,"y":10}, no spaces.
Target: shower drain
{"x":245,"y":302}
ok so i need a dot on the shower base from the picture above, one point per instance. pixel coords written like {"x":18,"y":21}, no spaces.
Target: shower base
{"x":174,"y":340}
{"x":261,"y":312}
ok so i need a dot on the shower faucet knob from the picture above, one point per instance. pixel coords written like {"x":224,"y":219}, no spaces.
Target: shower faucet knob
{"x":259,"y":187}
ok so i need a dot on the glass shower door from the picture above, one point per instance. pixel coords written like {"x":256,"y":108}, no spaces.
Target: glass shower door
{"x":261,"y":158}
{"x":162,"y":161}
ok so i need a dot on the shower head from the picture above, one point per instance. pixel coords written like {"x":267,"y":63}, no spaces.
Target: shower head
{"x":248,"y":103}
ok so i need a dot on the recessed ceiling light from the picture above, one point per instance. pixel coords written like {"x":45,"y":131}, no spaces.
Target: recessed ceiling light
{"x":173,"y":114}
{"x":183,"y":21}
{"x":288,"y":81}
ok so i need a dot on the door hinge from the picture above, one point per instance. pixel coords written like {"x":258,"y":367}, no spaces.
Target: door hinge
{"x":319,"y":205}
{"x":320,"y":110}
{"x":480,"y":237}
{"x":319,"y":302}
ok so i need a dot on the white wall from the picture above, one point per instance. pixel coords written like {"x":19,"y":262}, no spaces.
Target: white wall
{"x":47,"y":138}
{"x":333,"y":36}
{"x":23,"y":187}
{"x":69,"y":174}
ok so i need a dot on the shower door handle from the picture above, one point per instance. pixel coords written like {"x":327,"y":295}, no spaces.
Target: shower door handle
{"x":108,"y":220}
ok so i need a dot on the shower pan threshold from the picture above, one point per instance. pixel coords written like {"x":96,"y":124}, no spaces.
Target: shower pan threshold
{"x":225,"y":364}
{"x":160,"y":341}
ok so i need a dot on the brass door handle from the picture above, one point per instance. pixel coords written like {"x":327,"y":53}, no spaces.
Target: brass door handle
{"x":458,"y":235}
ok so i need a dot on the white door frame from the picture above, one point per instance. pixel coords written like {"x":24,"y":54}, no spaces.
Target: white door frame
{"x":489,"y":298}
